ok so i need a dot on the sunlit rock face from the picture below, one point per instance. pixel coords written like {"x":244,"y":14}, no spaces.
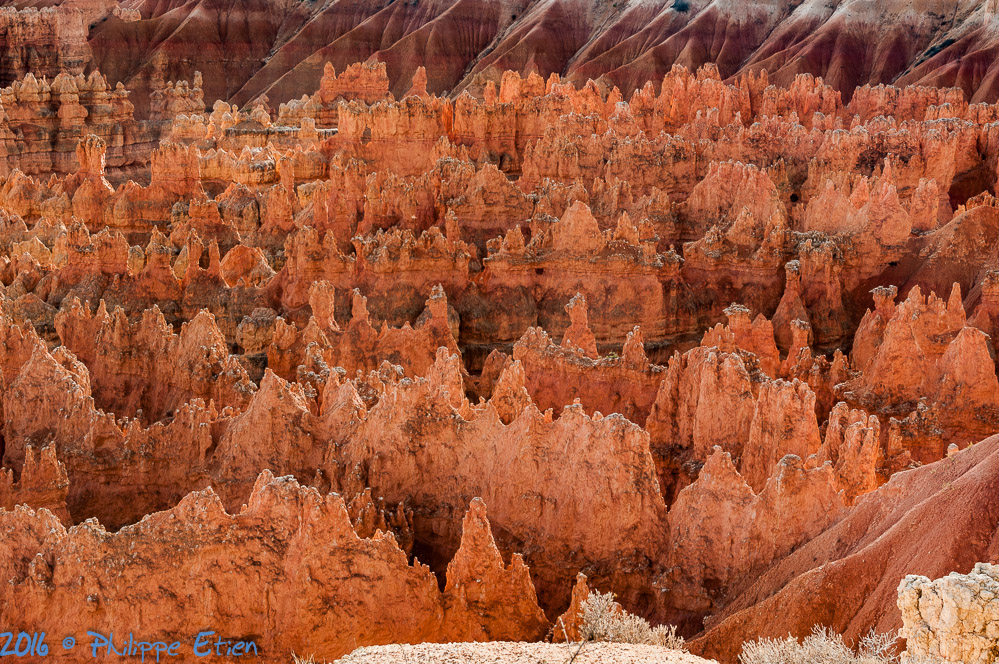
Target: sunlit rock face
{"x":952,"y":619}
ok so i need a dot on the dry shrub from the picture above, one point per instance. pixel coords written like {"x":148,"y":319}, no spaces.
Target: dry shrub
{"x":823,"y":646}
{"x":311,"y":659}
{"x":603,"y":619}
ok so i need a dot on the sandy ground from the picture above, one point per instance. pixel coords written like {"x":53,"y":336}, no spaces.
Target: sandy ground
{"x":518,"y":653}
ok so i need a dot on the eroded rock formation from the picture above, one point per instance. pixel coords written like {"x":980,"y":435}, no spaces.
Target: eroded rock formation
{"x":953,"y":618}
{"x":444,"y":363}
{"x":298,"y":553}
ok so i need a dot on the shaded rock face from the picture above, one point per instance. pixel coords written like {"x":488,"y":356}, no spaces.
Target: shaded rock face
{"x":387,"y":366}
{"x":952,"y":619}
{"x":273,"y":48}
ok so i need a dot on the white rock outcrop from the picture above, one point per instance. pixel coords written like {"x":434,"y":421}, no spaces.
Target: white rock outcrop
{"x":953,"y":619}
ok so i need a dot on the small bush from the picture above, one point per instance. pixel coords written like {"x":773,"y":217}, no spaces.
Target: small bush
{"x":681,"y":6}
{"x":304,"y":660}
{"x":820,"y":647}
{"x":823,"y":646}
{"x":603,"y":619}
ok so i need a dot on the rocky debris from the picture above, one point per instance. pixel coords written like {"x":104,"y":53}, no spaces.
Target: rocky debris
{"x":510,"y":653}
